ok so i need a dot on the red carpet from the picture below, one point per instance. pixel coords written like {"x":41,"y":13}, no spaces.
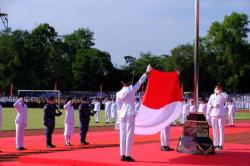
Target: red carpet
{"x":145,"y":151}
{"x":145,"y":155}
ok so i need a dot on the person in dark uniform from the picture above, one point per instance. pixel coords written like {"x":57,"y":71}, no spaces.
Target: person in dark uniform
{"x":50,"y":111}
{"x":85,"y":111}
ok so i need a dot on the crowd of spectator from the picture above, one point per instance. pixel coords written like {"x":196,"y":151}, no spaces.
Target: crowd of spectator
{"x":36,"y":100}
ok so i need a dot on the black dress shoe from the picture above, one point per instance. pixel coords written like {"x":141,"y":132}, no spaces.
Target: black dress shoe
{"x":68,"y":144}
{"x":22,"y":148}
{"x":51,"y":146}
{"x":84,"y":143}
{"x":107,"y":122}
{"x":166,"y":148}
{"x":123,"y":158}
{"x":129,"y":159}
{"x":220,"y":147}
{"x":19,"y":149}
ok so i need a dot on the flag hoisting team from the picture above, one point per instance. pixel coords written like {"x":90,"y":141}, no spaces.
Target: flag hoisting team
{"x":123,"y":111}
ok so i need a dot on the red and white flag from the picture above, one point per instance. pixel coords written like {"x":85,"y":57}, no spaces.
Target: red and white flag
{"x":162,"y":103}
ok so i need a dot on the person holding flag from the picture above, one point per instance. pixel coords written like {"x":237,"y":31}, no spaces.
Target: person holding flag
{"x":126,"y":96}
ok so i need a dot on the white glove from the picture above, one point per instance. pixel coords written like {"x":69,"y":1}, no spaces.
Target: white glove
{"x":148,"y":68}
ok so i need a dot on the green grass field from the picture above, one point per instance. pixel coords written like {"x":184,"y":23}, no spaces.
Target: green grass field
{"x":35,"y":119}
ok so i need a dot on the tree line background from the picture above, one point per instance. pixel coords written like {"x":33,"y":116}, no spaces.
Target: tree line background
{"x":38,"y":59}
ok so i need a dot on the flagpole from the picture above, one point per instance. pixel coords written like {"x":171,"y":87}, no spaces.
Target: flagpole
{"x":196,"y":128}
{"x":196,"y":55}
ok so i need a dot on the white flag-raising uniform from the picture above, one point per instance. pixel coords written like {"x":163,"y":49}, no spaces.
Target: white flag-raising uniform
{"x":21,"y":121}
{"x":97,"y":108}
{"x":126,"y":99}
{"x":162,"y":103}
{"x":231,"y":113}
{"x":69,"y":120}
{"x":217,"y":111}
{"x":107,"y":110}
{"x":185,"y":112}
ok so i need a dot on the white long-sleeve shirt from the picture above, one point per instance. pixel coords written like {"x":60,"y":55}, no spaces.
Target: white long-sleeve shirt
{"x":231,"y":108}
{"x":69,"y":109}
{"x":97,"y":105}
{"x":203,"y":108}
{"x":21,"y":109}
{"x":185,"y":109}
{"x":127,"y":97}
{"x":108,"y":105}
{"x":216,"y":105}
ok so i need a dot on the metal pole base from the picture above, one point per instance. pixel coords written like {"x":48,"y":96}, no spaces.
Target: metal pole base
{"x":195,"y":138}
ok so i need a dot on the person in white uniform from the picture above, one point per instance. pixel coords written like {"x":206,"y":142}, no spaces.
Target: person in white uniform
{"x":203,"y":106}
{"x":107,"y":108}
{"x":97,"y":108}
{"x":21,"y":122}
{"x":231,"y":112}
{"x":185,"y":111}
{"x":126,"y":96}
{"x":69,"y":121}
{"x":217,"y":111}
{"x":137,"y":105}
{"x":165,"y":139}
{"x":113,"y":111}
{"x":192,"y":108}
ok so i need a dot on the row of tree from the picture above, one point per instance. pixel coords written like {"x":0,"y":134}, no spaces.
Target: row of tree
{"x":38,"y":59}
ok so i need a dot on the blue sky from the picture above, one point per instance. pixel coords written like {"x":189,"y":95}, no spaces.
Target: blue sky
{"x":123,"y":27}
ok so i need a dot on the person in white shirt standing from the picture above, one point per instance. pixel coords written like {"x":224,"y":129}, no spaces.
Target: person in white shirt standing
{"x":217,"y":111}
{"x":203,"y":106}
{"x":69,"y":121}
{"x":137,"y":104}
{"x":21,"y":121}
{"x":192,"y":108}
{"x":107,"y":108}
{"x":185,"y":111}
{"x":113,"y":111}
{"x":231,"y":112}
{"x":97,"y":108}
{"x":126,"y":96}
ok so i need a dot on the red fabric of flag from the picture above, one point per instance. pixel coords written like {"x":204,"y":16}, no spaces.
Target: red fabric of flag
{"x":162,"y":88}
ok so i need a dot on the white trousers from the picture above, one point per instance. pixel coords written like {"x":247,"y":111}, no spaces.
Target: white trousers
{"x":114,"y":115}
{"x":231,"y":117}
{"x":97,"y":115}
{"x":107,"y":115}
{"x":68,"y":129}
{"x":20,"y":129}
{"x":218,"y":126}
{"x":183,"y":118}
{"x":165,"y":139}
{"x":127,"y":127}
